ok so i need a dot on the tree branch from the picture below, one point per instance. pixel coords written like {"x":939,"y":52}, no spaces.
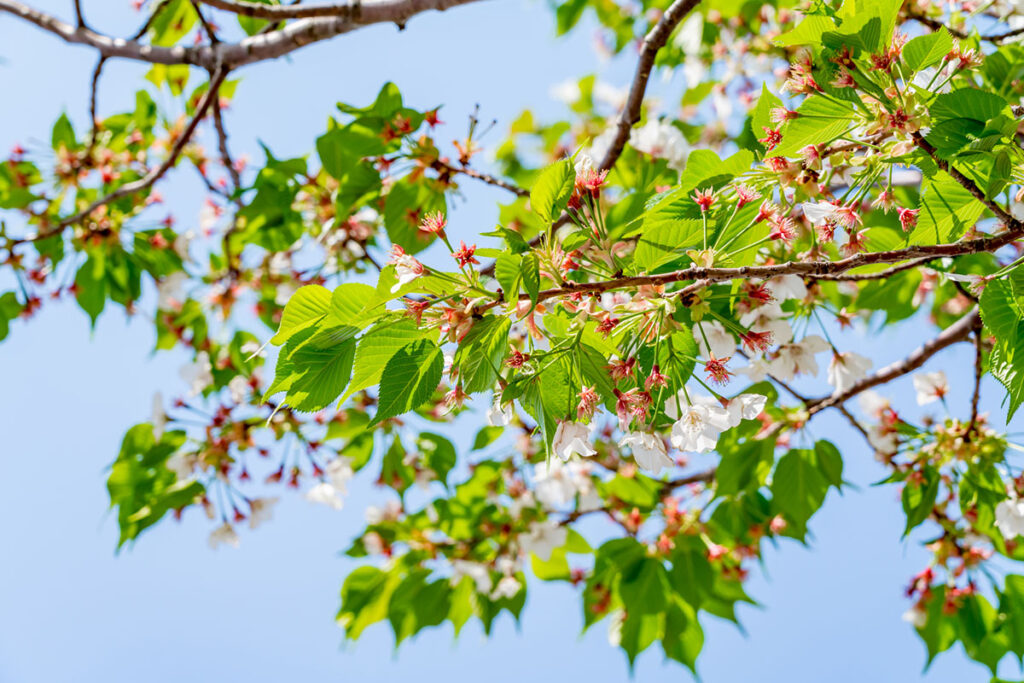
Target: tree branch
{"x":93,"y":98}
{"x":253,"y":49}
{"x":978,"y":372}
{"x":446,"y":168}
{"x":653,"y":42}
{"x":151,"y":177}
{"x":79,"y":17}
{"x":956,"y":332}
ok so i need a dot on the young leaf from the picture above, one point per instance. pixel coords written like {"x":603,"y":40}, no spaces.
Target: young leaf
{"x":409,"y":379}
{"x":551,"y":192}
{"x":307,"y":305}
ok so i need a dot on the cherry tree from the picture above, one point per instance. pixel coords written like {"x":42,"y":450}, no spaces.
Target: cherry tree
{"x":630,"y":343}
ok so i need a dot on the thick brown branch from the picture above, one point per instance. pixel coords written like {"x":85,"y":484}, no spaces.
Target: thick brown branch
{"x":956,"y":332}
{"x":812,"y":269}
{"x":253,"y":49}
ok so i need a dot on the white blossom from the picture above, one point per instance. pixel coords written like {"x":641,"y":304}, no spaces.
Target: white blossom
{"x":821,"y":212}
{"x":499,"y":415}
{"x":745,"y":407}
{"x":872,"y":404}
{"x":339,"y":472}
{"x":223,"y":535}
{"x":477,"y":571}
{"x":261,"y":510}
{"x":930,"y":386}
{"x":572,"y":438}
{"x":795,"y":359}
{"x":390,"y":512}
{"x":280,"y":263}
{"x":373,"y":543}
{"x":785,"y":287}
{"x":1010,"y":517}
{"x":554,"y":482}
{"x":883,"y":439}
{"x":661,"y":140}
{"x":756,"y":369}
{"x":158,"y":418}
{"x":916,"y":617}
{"x":699,"y":425}
{"x":846,"y":369}
{"x":325,"y":494}
{"x":508,"y":587}
{"x":769,"y":318}
{"x":611,"y":95}
{"x":648,"y":451}
{"x":198,"y":374}
{"x":618,"y":618}
{"x":690,"y":36}
{"x":543,"y":538}
{"x":182,"y":464}
{"x":566,"y":92}
{"x":284,"y":291}
{"x":181,"y":244}
{"x":238,"y":388}
{"x":722,"y":343}
{"x":600,"y":145}
{"x":170,"y":291}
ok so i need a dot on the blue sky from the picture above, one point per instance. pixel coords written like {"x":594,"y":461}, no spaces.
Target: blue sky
{"x":170,"y":609}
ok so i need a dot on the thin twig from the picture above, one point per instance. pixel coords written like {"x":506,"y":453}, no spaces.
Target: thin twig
{"x":956,"y":332}
{"x":446,"y":168}
{"x":147,"y":180}
{"x":207,"y":27}
{"x":93,"y":99}
{"x":79,"y":17}
{"x":652,"y":44}
{"x":150,"y":19}
{"x":978,"y":371}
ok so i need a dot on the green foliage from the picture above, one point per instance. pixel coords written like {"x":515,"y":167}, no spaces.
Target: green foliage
{"x":141,"y":487}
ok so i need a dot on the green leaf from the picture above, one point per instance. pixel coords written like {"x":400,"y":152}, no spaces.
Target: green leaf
{"x":692,"y":575}
{"x":63,"y":134}
{"x":482,"y":352}
{"x":551,"y":191}
{"x":947,"y":211}
{"x":919,"y":498}
{"x":364,"y":599}
{"x":307,"y":306}
{"x":486,"y":436}
{"x":531,"y":276}
{"x":409,"y":379}
{"x":830,"y":462}
{"x":349,"y":304}
{"x":375,"y":349}
{"x":927,"y":50}
{"x":1002,"y":311}
{"x":684,"y":637}
{"x":508,"y":271}
{"x":798,"y":486}
{"x":761,"y":117}
{"x":667,"y":234}
{"x":438,"y":453}
{"x":807,"y":32}
{"x":405,"y":204}
{"x":91,"y":285}
{"x":821,"y":120}
{"x":321,"y":371}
